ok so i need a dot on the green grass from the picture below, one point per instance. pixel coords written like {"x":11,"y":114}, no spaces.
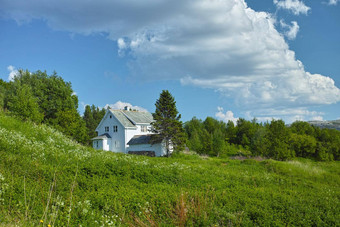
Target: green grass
{"x":46,"y":176}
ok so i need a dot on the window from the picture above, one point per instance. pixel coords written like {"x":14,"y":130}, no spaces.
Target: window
{"x":107,"y":128}
{"x":110,"y":116}
{"x":116,"y":143}
{"x":115,"y":128}
{"x":144,"y":128}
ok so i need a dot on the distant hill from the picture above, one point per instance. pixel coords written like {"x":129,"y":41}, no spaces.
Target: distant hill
{"x":326,"y":124}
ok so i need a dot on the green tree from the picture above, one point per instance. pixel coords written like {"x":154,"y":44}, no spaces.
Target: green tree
{"x":2,"y":96}
{"x":193,"y":129}
{"x":245,"y":130}
{"x":231,"y":131}
{"x":92,"y":117}
{"x":303,"y":145}
{"x":219,"y":143}
{"x":278,"y":137}
{"x":23,"y":104}
{"x":70,"y":123}
{"x":40,"y":97}
{"x":167,"y":124}
{"x":302,"y":128}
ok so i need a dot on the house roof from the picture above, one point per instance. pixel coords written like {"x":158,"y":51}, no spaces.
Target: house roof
{"x":140,"y":139}
{"x":104,"y":136}
{"x":122,"y":118}
{"x":139,"y":117}
{"x":130,"y":118}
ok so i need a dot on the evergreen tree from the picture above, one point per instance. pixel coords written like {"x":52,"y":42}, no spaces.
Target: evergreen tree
{"x":92,"y":117}
{"x":2,"y":95}
{"x":167,"y":124}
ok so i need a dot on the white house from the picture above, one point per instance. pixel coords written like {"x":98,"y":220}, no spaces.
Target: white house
{"x":128,"y":132}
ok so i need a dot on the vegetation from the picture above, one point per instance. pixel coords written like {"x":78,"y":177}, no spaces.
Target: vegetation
{"x":273,"y":140}
{"x":41,"y":98}
{"x":167,"y":124}
{"x":48,"y":179}
{"x":46,"y":99}
{"x":92,"y":117}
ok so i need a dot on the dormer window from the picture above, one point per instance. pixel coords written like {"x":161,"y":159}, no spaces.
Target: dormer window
{"x":107,"y":128}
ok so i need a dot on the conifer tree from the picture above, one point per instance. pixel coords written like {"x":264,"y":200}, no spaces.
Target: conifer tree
{"x":167,"y":124}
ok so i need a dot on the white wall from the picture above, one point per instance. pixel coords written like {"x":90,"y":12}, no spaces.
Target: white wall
{"x":117,"y":137}
{"x":106,"y":144}
{"x":103,"y":144}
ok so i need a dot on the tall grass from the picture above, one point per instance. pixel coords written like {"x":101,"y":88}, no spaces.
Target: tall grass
{"x":48,"y":179}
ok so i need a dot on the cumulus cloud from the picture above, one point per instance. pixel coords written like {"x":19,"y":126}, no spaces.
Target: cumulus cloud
{"x":218,"y":44}
{"x":12,"y":72}
{"x":295,"y":6}
{"x":121,"y":105}
{"x":227,"y":116}
{"x":333,"y":2}
{"x":291,"y":30}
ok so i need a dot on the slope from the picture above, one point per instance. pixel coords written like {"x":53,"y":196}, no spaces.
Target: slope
{"x":48,"y":179}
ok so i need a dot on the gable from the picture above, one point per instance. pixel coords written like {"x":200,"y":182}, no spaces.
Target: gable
{"x":118,"y":116}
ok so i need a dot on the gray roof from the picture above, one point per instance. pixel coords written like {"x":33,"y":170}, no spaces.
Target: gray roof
{"x":140,"y":139}
{"x":139,"y":117}
{"x":122,"y":118}
{"x":129,"y":118}
{"x":104,"y":136}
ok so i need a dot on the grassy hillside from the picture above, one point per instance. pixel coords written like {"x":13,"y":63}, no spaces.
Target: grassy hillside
{"x":47,"y":179}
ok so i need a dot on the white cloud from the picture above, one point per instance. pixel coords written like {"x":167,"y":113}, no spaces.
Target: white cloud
{"x":227,"y":116}
{"x":289,"y":115}
{"x":218,"y":44}
{"x":333,"y":2}
{"x":317,"y":118}
{"x":12,"y":72}
{"x":121,"y":105}
{"x":291,"y":30}
{"x":295,"y":6}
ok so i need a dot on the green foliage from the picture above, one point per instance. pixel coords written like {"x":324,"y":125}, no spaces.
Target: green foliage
{"x":23,"y":104}
{"x":48,"y":99}
{"x":46,"y":176}
{"x":303,"y":145}
{"x":92,"y":117}
{"x":2,"y":94}
{"x":271,"y":140}
{"x":167,"y":124}
{"x":70,"y":123}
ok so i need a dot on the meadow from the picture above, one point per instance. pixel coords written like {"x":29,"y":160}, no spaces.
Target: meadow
{"x":47,"y":179}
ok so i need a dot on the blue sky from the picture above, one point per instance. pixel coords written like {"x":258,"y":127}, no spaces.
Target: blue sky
{"x":221,"y":58}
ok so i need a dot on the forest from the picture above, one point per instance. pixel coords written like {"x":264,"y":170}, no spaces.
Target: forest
{"x":48,"y":99}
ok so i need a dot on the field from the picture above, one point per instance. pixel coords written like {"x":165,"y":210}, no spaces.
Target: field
{"x":48,"y":179}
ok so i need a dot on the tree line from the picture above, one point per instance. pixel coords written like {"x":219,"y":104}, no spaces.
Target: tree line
{"x":273,"y":140}
{"x":48,"y":99}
